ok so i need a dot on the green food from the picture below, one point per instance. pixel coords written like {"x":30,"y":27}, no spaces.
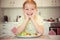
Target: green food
{"x":26,"y":34}
{"x":22,"y":34}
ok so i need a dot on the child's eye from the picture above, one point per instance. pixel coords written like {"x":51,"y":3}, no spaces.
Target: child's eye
{"x":32,"y":9}
{"x":27,"y":9}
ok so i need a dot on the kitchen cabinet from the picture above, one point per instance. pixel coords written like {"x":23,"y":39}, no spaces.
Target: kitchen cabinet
{"x":50,"y":3}
{"x":19,"y":3}
{"x":6,"y":3}
{"x":11,"y":3}
{"x":55,"y":2}
{"x":54,"y":29}
{"x":58,"y":31}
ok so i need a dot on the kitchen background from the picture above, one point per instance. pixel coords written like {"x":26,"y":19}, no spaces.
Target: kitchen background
{"x":13,"y":8}
{"x":46,"y":13}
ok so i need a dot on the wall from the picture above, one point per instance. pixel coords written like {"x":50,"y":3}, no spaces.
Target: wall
{"x":46,"y":13}
{"x":13,"y":13}
{"x":49,"y":12}
{"x":1,"y":14}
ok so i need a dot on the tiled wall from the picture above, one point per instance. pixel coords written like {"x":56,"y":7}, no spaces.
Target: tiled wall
{"x":46,"y":13}
{"x":49,"y":12}
{"x":13,"y":13}
{"x":1,"y":15}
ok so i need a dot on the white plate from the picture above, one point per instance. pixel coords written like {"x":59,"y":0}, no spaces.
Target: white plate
{"x":29,"y":36}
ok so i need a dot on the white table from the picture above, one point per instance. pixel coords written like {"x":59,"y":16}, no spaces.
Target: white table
{"x":49,"y":37}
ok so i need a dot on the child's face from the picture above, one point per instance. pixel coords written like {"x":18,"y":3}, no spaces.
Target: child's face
{"x":30,"y":9}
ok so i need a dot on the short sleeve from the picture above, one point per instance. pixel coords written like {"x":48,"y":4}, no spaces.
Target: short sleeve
{"x":39,"y":20}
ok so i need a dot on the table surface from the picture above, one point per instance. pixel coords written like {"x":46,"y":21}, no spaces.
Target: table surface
{"x":44,"y":37}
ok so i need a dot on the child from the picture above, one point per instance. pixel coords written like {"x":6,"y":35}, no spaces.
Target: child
{"x":32,"y":23}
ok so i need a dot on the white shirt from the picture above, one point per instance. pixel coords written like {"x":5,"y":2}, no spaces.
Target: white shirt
{"x":30,"y":26}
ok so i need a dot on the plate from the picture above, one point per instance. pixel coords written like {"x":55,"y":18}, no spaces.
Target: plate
{"x":29,"y":36}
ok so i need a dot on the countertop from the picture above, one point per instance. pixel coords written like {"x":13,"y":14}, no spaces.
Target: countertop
{"x":45,"y":37}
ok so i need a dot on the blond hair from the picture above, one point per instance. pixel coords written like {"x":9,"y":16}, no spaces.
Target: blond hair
{"x":30,"y":1}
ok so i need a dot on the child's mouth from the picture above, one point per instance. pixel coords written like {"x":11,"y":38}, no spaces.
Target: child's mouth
{"x":30,"y":14}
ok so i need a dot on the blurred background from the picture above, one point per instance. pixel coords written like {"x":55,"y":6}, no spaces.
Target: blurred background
{"x":13,"y":8}
{"x":11,"y":13}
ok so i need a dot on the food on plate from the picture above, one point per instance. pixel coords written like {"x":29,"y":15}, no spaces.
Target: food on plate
{"x":22,"y":34}
{"x":35,"y":34}
{"x":27,"y":34}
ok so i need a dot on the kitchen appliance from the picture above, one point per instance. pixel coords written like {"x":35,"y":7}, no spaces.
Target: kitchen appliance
{"x":5,"y":18}
{"x":18,"y":18}
{"x":55,"y":27}
{"x":58,"y":19}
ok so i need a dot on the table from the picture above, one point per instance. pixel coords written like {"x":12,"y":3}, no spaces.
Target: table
{"x":44,"y":37}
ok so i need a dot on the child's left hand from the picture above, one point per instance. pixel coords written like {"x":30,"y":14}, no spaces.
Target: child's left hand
{"x":32,"y":16}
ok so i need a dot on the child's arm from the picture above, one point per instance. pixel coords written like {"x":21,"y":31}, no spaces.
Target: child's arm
{"x":38,"y":27}
{"x":20,"y":28}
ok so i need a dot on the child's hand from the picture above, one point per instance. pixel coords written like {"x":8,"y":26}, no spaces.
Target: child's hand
{"x":14,"y":30}
{"x":32,"y":16}
{"x":27,"y":16}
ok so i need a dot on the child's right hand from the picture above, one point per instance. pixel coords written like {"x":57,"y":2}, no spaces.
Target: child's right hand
{"x":27,"y":16}
{"x":14,"y":30}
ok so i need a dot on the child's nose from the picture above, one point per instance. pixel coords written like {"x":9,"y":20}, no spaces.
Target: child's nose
{"x":30,"y":11}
